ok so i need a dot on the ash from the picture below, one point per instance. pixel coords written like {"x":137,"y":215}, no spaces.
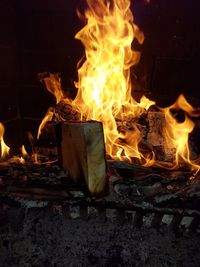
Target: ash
{"x":46,"y":237}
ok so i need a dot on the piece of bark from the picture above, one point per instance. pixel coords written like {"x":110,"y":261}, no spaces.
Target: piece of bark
{"x":83,"y":153}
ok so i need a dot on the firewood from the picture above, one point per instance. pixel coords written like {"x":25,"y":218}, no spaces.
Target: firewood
{"x":64,"y":111}
{"x":151,"y":125}
{"x":156,"y":138}
{"x":38,"y":191}
{"x":128,"y":166}
{"x":83,"y":153}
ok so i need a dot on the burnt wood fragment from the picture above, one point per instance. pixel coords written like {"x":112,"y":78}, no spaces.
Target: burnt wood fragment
{"x":175,"y":223}
{"x":64,"y":111}
{"x":117,"y":164}
{"x":138,"y":218}
{"x":194,"y":224}
{"x":39,"y":191}
{"x":157,"y":219}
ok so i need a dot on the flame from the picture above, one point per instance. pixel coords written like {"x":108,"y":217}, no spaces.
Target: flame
{"x":48,"y":117}
{"x":104,"y":86}
{"x":21,"y":160}
{"x":105,"y":91}
{"x":177,"y":133}
{"x":24,"y":152}
{"x":4,"y":148}
{"x":53,"y":85}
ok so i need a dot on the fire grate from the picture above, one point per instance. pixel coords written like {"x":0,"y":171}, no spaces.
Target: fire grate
{"x":139,"y":203}
{"x":137,"y":214}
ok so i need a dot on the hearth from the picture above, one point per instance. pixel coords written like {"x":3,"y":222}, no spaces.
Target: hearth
{"x":136,"y":194}
{"x":109,"y":143}
{"x":113,"y":150}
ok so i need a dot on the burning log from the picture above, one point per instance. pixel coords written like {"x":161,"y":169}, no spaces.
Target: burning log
{"x":65,"y":112}
{"x":156,"y":138}
{"x":83,"y":153}
{"x":151,"y":125}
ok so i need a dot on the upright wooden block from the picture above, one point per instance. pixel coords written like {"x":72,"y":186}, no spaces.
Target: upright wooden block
{"x":83,"y":153}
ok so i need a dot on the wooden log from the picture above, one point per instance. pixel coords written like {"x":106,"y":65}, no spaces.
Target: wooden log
{"x":155,"y":137}
{"x":83,"y":153}
{"x":64,"y":111}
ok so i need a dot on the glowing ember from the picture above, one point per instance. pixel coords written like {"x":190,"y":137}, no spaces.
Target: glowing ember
{"x":105,"y":92}
{"x":4,"y":148}
{"x":22,"y":160}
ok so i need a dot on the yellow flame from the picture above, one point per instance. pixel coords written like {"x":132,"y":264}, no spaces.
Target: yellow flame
{"x":48,"y":117}
{"x":53,"y":85}
{"x":24,"y":152}
{"x":104,"y":86}
{"x":177,"y":133}
{"x":105,"y":91}
{"x":21,"y":160}
{"x":4,"y":148}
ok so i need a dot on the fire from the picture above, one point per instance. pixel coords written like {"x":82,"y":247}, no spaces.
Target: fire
{"x":53,"y":85}
{"x":4,"y":148}
{"x":105,"y":90}
{"x":48,"y":117}
{"x":24,"y":152}
{"x":177,"y":133}
{"x":104,"y":86}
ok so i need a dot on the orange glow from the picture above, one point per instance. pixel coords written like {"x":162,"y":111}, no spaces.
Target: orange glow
{"x":4,"y":148}
{"x":22,"y":160}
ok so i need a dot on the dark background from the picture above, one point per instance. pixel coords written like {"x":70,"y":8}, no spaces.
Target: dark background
{"x":38,"y":36}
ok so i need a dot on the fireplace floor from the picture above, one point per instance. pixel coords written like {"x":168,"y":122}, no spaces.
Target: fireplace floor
{"x":147,"y":217}
{"x":48,"y":238}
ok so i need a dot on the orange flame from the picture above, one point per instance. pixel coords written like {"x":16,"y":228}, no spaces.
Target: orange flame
{"x":48,"y":117}
{"x":21,"y":160}
{"x":177,"y":133}
{"x":4,"y":148}
{"x":53,"y":85}
{"x":24,"y":152}
{"x":105,"y":91}
{"x":104,"y":86}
